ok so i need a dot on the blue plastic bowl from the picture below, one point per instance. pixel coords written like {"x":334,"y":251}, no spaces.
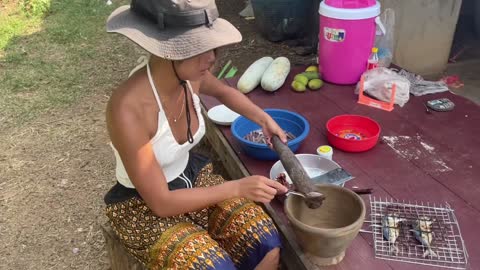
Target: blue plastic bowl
{"x":289,"y":121}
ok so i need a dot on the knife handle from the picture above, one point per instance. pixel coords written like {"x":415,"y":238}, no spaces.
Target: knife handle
{"x":362,"y":190}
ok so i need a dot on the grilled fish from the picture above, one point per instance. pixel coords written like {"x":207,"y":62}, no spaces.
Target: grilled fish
{"x":422,"y":229}
{"x":391,"y":230}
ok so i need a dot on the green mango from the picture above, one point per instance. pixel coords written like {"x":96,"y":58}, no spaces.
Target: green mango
{"x":311,"y":75}
{"x":301,"y":78}
{"x":315,"y":84}
{"x":312,"y":69}
{"x":298,"y":86}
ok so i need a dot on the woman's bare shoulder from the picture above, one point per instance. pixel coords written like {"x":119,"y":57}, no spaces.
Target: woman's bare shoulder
{"x":125,"y":103}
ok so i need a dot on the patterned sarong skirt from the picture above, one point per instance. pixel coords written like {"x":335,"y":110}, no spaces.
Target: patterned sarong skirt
{"x":233,"y":234}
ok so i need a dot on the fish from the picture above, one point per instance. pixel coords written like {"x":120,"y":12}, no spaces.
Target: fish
{"x":282,"y":179}
{"x":391,"y":230}
{"x":422,"y":229}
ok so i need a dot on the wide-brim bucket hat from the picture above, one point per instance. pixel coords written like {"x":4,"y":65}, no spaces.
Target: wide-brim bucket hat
{"x":173,"y":29}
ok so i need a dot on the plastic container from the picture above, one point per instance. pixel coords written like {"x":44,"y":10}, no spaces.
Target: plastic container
{"x":353,"y":133}
{"x":350,"y":3}
{"x":325,"y":151}
{"x":346,"y":37}
{"x":373,"y":59}
{"x":289,"y":121}
{"x":281,"y":19}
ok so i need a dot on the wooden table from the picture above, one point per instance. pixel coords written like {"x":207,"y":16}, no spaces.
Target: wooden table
{"x":424,"y":157}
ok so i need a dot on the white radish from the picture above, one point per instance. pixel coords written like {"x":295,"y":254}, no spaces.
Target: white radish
{"x":274,"y":77}
{"x":251,"y":78}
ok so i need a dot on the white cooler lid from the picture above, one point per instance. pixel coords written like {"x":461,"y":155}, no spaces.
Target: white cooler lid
{"x":349,"y":13}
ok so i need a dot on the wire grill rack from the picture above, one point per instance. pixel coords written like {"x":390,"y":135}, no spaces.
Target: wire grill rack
{"x":447,"y":240}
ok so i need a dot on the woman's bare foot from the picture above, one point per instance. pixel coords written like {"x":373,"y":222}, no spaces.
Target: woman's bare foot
{"x":270,"y":261}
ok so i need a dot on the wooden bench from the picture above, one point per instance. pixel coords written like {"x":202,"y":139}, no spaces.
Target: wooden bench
{"x":119,"y":258}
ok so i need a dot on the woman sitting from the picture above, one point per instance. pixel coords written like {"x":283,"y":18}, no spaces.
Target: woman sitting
{"x":168,"y":208}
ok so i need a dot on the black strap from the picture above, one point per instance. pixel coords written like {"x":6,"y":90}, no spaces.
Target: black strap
{"x":195,"y":18}
{"x":187,"y":111}
{"x":183,"y":83}
{"x":189,"y":18}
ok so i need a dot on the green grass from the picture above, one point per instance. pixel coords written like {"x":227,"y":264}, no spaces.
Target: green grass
{"x":51,"y":59}
{"x":35,"y":8}
{"x":11,"y":26}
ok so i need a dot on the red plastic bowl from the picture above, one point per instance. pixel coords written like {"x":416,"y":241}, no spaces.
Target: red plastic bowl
{"x":352,"y":133}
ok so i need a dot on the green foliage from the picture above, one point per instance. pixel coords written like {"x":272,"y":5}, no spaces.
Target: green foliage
{"x":35,"y":8}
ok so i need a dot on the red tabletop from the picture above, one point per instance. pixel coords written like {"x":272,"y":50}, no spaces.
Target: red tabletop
{"x":420,"y":157}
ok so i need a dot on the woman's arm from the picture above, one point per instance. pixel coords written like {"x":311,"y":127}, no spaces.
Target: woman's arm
{"x":233,"y":99}
{"x":238,"y":102}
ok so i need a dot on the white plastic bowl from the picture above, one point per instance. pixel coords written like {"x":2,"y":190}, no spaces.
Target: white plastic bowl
{"x":314,"y":165}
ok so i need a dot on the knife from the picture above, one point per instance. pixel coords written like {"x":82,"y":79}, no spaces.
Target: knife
{"x":336,"y":177}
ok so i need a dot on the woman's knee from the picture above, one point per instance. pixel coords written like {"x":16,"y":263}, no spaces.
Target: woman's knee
{"x":238,"y":216}
{"x":244,"y":230}
{"x":186,"y":246}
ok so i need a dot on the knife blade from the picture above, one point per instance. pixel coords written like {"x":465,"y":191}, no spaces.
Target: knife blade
{"x":336,"y":176}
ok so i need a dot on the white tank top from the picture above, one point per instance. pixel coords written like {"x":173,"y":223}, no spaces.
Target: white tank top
{"x":170,"y":155}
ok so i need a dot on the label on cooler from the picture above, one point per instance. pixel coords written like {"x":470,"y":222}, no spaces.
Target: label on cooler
{"x":334,"y":35}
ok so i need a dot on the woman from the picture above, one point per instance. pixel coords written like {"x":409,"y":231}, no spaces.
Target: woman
{"x":168,"y":208}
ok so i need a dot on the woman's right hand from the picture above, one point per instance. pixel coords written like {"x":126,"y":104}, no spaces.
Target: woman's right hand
{"x":258,"y":188}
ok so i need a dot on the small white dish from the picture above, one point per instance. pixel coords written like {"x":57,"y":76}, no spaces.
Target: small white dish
{"x":222,"y":115}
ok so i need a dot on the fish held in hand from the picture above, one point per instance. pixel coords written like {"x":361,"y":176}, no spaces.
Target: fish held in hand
{"x":282,"y":179}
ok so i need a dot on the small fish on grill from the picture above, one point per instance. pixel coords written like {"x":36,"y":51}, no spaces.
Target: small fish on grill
{"x":391,"y":230}
{"x":422,"y":229}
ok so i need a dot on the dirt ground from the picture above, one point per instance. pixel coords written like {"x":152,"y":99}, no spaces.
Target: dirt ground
{"x":55,"y":170}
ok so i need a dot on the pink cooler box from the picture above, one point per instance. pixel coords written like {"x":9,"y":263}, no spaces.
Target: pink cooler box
{"x":346,"y":38}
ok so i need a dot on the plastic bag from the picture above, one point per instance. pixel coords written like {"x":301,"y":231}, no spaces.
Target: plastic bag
{"x":247,"y":11}
{"x":385,"y":38}
{"x":420,"y":87}
{"x":378,"y":83}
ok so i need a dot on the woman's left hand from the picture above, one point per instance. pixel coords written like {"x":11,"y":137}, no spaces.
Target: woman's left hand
{"x":271,"y":128}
